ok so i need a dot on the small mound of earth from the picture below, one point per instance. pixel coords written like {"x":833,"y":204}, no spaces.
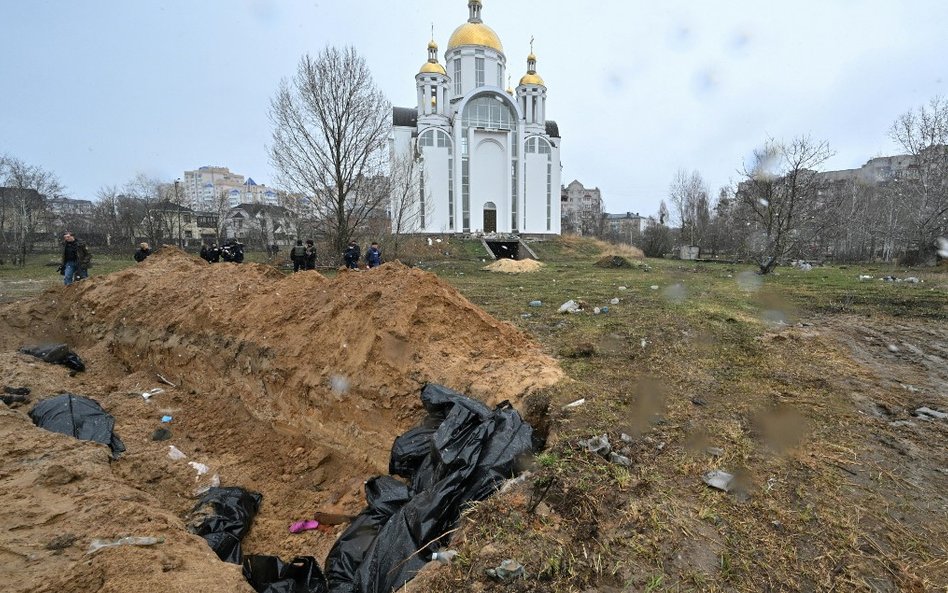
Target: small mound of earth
{"x":614,"y":261}
{"x":293,"y":386}
{"x":514,"y":266}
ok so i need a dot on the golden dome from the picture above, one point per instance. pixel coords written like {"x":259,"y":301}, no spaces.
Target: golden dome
{"x":532,"y":56}
{"x":475,"y":34}
{"x":432,"y":44}
{"x":532,"y":78}
{"x":432,"y":68}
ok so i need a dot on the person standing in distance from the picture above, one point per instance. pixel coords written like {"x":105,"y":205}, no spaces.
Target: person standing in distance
{"x":373,"y":257}
{"x":351,"y":256}
{"x":76,"y":259}
{"x":298,"y":256}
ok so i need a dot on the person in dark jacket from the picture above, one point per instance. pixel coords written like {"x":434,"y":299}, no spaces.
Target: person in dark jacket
{"x":373,"y":257}
{"x":214,"y":254}
{"x":142,"y":253}
{"x":76,"y":259}
{"x":298,"y":256}
{"x":351,"y":255}
{"x":310,"y":255}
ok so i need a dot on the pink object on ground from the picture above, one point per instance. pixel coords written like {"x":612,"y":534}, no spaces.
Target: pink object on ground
{"x":301,"y":526}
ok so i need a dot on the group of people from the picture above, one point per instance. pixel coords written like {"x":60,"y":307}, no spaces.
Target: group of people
{"x":373,"y":256}
{"x":77,"y":259}
{"x":303,"y":256}
{"x":231,"y":251}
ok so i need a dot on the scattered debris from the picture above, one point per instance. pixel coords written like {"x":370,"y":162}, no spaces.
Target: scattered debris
{"x":100,"y":544}
{"x":698,"y":401}
{"x":719,"y":480}
{"x":892,"y":348}
{"x":166,"y":419}
{"x":654,"y":287}
{"x":570,"y":306}
{"x":623,"y":288}
{"x":152,"y":393}
{"x":508,"y":570}
{"x":613,"y":261}
{"x":56,"y":354}
{"x":200,"y":468}
{"x":575,"y":404}
{"x":927,"y":413}
{"x":79,"y":417}
{"x":16,"y":390}
{"x":175,"y":453}
{"x":444,"y":556}
{"x":599,"y":445}
{"x":605,"y":309}
{"x":526,"y":315}
{"x":614,"y":301}
{"x":902,"y":424}
{"x":165,"y":381}
{"x":714,"y":451}
{"x":620,"y":459}
{"x":865,"y":277}
{"x":597,"y":310}
{"x":304,"y":525}
{"x":536,"y":303}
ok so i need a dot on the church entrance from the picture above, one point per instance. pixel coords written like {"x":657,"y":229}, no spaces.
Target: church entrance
{"x":490,"y":218}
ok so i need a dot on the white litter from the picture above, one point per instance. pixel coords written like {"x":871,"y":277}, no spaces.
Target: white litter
{"x":574,"y":404}
{"x":175,"y":453}
{"x":199,"y":467}
{"x":152,"y":393}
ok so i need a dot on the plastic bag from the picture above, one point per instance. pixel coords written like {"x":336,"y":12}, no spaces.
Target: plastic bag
{"x":269,"y":574}
{"x":56,"y":354}
{"x":471,"y":450}
{"x":78,"y":416}
{"x":223,"y":517}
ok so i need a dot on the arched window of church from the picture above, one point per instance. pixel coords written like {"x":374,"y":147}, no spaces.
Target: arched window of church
{"x":457,"y":75}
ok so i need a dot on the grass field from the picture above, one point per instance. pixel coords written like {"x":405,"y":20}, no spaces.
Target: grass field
{"x":801,"y":384}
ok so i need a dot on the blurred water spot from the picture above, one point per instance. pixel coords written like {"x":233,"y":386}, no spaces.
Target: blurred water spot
{"x":647,"y":406}
{"x":749,"y":281}
{"x":676,"y":293}
{"x":706,"y":81}
{"x":781,"y":428}
{"x":339,"y":384}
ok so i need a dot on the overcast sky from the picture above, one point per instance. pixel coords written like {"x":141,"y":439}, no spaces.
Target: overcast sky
{"x":100,"y":90}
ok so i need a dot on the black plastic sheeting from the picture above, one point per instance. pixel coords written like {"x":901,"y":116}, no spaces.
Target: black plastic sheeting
{"x":56,"y":354}
{"x":78,"y":416}
{"x":223,"y":517}
{"x":460,"y":454}
{"x":269,"y":574}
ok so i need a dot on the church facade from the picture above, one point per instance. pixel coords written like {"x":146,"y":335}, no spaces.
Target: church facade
{"x":488,"y":159}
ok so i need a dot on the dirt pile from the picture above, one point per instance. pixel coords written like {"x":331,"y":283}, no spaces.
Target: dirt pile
{"x":292,"y":386}
{"x":514,"y":266}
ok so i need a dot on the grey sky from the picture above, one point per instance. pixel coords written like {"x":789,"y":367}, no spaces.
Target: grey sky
{"x":102,"y":89}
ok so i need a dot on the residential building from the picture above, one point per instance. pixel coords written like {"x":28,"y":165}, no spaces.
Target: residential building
{"x":581,"y":209}
{"x":259,"y":225}
{"x":625,"y":227}
{"x":490,"y":159}
{"x":206,"y":187}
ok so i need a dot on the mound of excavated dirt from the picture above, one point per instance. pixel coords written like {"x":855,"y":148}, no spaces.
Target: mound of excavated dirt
{"x":514,"y":266}
{"x":613,"y":261}
{"x":292,"y":386}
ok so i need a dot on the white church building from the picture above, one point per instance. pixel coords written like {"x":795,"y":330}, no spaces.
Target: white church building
{"x":489,"y":159}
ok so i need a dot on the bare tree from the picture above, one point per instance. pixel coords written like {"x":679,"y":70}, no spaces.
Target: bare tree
{"x":923,"y":133}
{"x":330,"y":129}
{"x":689,"y":196}
{"x":783,"y":192}
{"x":26,"y":188}
{"x":657,"y":237}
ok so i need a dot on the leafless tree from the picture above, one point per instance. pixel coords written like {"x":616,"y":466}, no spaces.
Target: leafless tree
{"x":783,"y":193}
{"x":689,"y":197}
{"x":330,"y":129}
{"x":923,"y":133}
{"x":144,"y":198}
{"x":23,"y":204}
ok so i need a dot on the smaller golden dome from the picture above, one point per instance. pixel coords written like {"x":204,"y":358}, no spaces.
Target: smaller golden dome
{"x":510,"y":91}
{"x":532,"y":78}
{"x":432,"y":44}
{"x":432,"y":68}
{"x":532,"y":56}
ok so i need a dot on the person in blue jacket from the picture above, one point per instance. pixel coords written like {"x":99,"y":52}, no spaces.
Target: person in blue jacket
{"x":373,"y":257}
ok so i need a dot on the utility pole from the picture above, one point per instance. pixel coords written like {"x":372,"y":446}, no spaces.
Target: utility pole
{"x":178,"y":207}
